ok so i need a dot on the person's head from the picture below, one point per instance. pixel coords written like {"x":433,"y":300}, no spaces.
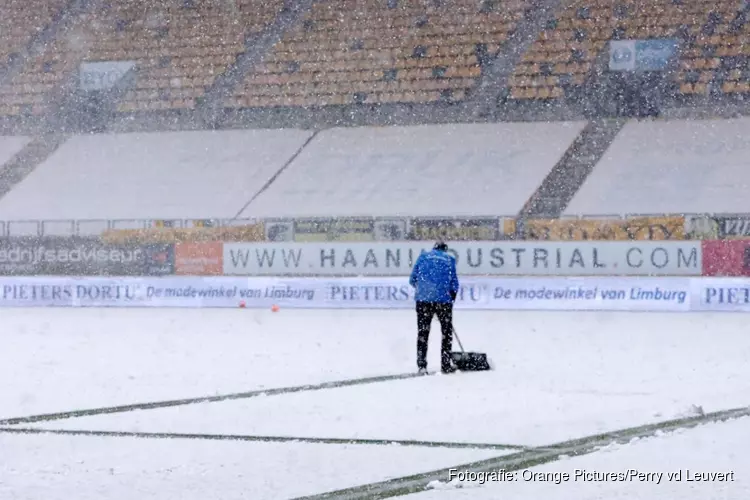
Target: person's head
{"x":441,"y":245}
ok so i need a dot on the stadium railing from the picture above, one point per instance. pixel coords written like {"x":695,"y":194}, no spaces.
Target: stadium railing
{"x":354,"y":228}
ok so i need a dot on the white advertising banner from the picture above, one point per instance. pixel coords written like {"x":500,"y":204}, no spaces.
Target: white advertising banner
{"x":185,"y":291}
{"x":565,"y":258}
{"x":720,"y":294}
{"x":52,"y":291}
{"x":582,"y":294}
{"x":585,"y":294}
{"x":591,"y":294}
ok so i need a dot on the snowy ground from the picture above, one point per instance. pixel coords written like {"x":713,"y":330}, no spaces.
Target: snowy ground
{"x":95,"y":468}
{"x":559,"y":376}
{"x":688,"y":455}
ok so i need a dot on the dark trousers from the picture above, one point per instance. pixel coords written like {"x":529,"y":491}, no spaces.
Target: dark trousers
{"x":425,"y":313}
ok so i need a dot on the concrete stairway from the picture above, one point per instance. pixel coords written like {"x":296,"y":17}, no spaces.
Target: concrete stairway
{"x":570,"y":172}
{"x":25,"y":161}
{"x":256,"y":48}
{"x":495,"y":75}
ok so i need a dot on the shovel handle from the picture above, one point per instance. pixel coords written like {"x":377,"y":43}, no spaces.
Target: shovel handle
{"x":455,"y":334}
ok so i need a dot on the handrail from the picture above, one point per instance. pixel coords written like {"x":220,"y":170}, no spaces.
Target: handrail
{"x":92,"y":227}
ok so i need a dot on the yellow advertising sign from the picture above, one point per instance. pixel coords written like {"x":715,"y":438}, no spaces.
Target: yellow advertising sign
{"x":248,"y":233}
{"x":344,"y":229}
{"x":636,"y":228}
{"x":455,"y":229}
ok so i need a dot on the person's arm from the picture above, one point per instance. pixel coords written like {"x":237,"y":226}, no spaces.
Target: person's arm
{"x":454,"y":281}
{"x":415,"y":272}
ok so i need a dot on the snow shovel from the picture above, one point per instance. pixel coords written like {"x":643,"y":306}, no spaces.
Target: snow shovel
{"x":469,"y":361}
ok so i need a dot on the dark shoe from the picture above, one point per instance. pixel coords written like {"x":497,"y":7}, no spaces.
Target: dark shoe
{"x":448,"y":370}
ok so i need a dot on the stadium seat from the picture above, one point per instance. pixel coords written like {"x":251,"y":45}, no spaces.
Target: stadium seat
{"x":179,"y":46}
{"x":374,"y":51}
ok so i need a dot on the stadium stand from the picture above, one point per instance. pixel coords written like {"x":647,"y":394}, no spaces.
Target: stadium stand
{"x":364,"y":51}
{"x":455,"y":170}
{"x":179,"y":47}
{"x":369,"y":51}
{"x":565,"y":52}
{"x":20,"y":21}
{"x":150,"y":175}
{"x":715,"y":56}
{"x":358,"y":51}
{"x":350,"y":52}
{"x":685,"y":166}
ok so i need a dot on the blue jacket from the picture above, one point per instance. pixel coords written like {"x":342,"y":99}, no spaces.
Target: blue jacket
{"x":435,"y":277}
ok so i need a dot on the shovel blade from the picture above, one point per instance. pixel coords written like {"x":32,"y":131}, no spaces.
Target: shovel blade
{"x":471,"y":361}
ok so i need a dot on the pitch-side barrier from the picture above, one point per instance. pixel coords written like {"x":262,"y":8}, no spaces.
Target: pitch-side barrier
{"x":511,"y":293}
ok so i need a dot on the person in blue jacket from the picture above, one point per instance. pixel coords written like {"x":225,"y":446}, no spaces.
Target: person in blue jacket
{"x":436,"y":282}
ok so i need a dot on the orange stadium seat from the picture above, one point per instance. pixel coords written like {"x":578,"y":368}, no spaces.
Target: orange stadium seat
{"x":179,"y":47}
{"x":358,"y":51}
{"x":564,"y":54}
{"x":381,"y":51}
{"x":20,"y":20}
{"x":716,"y":55}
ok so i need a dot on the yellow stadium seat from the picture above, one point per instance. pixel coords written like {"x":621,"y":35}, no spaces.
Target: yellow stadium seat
{"x":169,"y":41}
{"x":422,"y":46}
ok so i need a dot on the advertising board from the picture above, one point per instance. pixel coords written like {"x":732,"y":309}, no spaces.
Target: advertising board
{"x":726,"y":258}
{"x":633,"y":228}
{"x":644,"y":258}
{"x":585,"y":294}
{"x":78,"y":256}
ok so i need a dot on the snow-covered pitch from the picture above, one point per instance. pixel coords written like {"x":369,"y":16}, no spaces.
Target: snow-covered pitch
{"x":255,"y":404}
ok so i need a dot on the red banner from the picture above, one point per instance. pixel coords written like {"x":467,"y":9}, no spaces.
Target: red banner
{"x":202,"y":258}
{"x":726,"y":257}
